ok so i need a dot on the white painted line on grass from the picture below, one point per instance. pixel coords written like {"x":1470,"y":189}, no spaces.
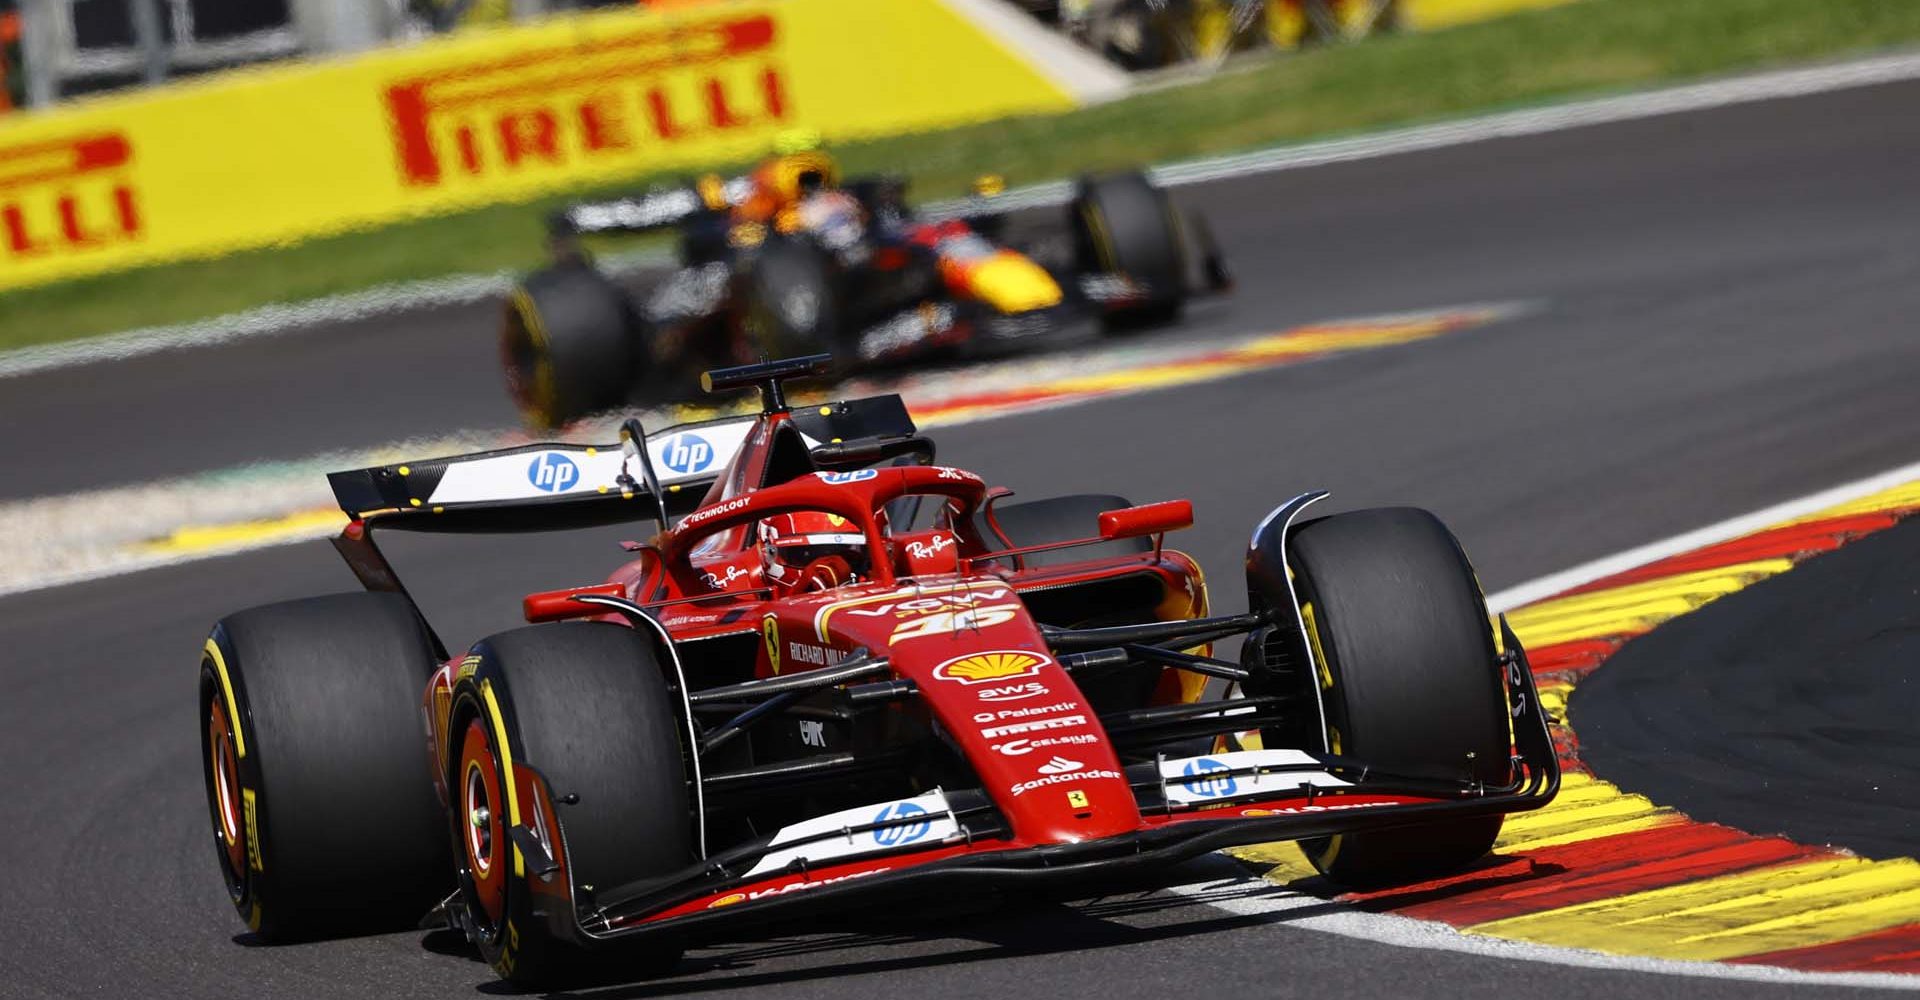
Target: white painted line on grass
{"x":461,"y":289}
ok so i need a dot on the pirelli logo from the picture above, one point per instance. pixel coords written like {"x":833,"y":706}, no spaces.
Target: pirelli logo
{"x":67,"y":196}
{"x":559,"y":107}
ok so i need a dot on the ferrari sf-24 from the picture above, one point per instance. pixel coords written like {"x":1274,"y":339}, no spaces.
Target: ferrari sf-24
{"x":841,"y":673}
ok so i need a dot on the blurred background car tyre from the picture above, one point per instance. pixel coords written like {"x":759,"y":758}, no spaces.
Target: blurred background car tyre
{"x":1123,"y":224}
{"x":570,"y":344}
{"x":790,"y":301}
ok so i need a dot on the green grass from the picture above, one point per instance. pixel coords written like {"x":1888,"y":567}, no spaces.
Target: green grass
{"x":1584,"y":48}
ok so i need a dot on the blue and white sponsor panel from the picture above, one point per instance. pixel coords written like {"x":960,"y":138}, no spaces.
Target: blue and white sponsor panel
{"x":700,"y":452}
{"x":565,"y":469}
{"x":921,"y":821}
{"x":1223,"y":776}
{"x":555,"y":472}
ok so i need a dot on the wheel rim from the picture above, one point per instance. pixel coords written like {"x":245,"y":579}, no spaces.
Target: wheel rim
{"x":481,"y":832}
{"x":223,"y":794}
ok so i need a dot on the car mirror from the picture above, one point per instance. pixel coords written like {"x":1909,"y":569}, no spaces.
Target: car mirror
{"x":1146,"y":519}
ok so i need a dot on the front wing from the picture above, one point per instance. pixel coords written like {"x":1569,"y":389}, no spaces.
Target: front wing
{"x":1189,"y":807}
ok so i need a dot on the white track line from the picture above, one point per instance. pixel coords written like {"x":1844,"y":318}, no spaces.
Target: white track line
{"x":1733,"y":527}
{"x":1313,"y":913}
{"x":461,"y":289}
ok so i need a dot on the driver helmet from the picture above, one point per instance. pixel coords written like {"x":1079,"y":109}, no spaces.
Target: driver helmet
{"x":792,"y":542}
{"x":835,"y":218}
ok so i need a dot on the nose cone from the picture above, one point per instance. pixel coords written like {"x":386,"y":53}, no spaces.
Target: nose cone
{"x":1011,"y":283}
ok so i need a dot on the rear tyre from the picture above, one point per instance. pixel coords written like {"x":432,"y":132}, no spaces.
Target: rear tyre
{"x":587,"y":706}
{"x":1124,"y":225}
{"x":571,"y":344}
{"x":1412,"y":682}
{"x":324,"y":821}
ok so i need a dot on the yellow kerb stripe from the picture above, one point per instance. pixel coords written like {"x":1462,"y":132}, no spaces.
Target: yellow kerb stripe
{"x":1903,"y":497}
{"x":1748,"y":913}
{"x":1635,"y":607}
{"x":1586,"y":809}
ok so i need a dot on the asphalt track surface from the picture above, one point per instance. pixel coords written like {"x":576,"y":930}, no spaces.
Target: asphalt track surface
{"x":1810,"y":677}
{"x":1723,"y":322}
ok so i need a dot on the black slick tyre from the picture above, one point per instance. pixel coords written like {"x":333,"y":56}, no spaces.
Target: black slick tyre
{"x":570,"y":343}
{"x":1410,"y":681}
{"x":1122,"y":224}
{"x":587,"y":706}
{"x":789,"y":300}
{"x":324,"y":820}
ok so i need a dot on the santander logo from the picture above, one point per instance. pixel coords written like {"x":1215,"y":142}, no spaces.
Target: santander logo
{"x":1061,"y":765}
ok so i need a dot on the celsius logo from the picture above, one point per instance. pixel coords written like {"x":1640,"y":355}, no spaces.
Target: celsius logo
{"x":552,"y":472}
{"x":1208,"y":779}
{"x":686,"y":453}
{"x":905,"y":833}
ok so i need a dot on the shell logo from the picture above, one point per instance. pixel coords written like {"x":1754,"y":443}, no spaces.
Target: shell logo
{"x":979,"y":668}
{"x":728,"y":900}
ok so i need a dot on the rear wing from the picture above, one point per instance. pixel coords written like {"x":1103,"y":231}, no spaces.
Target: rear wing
{"x":551,"y":486}
{"x":660,"y":208}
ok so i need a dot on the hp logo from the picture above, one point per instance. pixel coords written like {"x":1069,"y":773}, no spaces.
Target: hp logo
{"x":906,"y":833}
{"x":687,"y":453}
{"x":552,"y":472}
{"x":1199,"y":781}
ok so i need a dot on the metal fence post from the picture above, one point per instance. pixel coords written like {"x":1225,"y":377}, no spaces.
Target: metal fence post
{"x":147,"y":36}
{"x":39,"y":45}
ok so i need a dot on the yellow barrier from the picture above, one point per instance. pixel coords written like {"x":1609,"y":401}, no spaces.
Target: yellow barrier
{"x":276,"y":155}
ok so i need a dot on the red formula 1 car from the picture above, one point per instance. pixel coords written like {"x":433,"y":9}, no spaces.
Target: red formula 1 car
{"x":841,"y":672}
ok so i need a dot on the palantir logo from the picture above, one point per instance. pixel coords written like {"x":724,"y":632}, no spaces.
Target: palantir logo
{"x":687,"y":453}
{"x":1202,"y":782}
{"x":553,"y":472}
{"x":905,"y":833}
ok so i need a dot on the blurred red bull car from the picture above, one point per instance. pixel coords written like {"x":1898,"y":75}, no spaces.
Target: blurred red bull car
{"x":788,"y":260}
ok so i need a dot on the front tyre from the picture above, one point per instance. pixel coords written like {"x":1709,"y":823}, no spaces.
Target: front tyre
{"x":789,"y":303}
{"x":324,"y":821}
{"x":1123,"y":225}
{"x":587,"y":706}
{"x":1411,"y":679}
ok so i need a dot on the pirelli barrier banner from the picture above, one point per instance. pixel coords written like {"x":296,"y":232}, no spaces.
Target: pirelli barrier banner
{"x":276,"y":155}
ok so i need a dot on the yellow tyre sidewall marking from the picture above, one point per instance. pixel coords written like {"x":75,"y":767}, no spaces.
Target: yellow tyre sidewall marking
{"x":499,"y":725}
{"x":1325,"y":859}
{"x":540,"y":391}
{"x":226,"y":692}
